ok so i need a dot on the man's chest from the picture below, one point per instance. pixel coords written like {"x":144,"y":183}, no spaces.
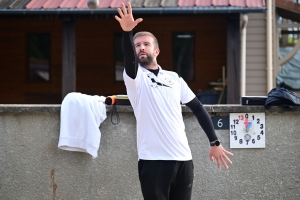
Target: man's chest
{"x":161,"y":87}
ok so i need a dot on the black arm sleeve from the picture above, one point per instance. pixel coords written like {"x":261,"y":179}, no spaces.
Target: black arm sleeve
{"x":130,"y":57}
{"x":203,"y":118}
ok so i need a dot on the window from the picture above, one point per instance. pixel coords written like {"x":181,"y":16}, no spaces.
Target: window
{"x":183,"y":55}
{"x":119,"y":58}
{"x":288,"y":72}
{"x":39,"y":57}
{"x":288,"y":32}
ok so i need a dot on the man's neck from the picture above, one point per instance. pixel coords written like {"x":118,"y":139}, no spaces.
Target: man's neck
{"x":154,"y":71}
{"x":151,"y":67}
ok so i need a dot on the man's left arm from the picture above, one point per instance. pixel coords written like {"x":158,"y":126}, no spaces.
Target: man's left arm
{"x":216,"y":152}
{"x":203,"y":118}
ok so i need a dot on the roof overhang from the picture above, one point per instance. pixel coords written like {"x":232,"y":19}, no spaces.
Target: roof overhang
{"x":141,"y":11}
{"x":288,"y":10}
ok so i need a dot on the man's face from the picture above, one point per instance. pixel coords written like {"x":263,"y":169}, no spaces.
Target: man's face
{"x":145,"y":49}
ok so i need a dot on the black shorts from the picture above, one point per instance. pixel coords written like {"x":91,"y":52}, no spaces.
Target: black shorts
{"x":166,"y":180}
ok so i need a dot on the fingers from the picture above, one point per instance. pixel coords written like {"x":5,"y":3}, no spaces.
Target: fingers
{"x":220,"y":155}
{"x":117,"y":18}
{"x":227,"y":159}
{"x":227,"y":152}
{"x":120,"y":13}
{"x":129,"y":8}
{"x":221,"y":160}
{"x":124,"y":11}
{"x":138,"y":20}
{"x":224,"y":164}
{"x":218,"y":163}
{"x":124,"y":8}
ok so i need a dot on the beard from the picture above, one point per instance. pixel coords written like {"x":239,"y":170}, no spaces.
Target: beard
{"x":146,"y":61}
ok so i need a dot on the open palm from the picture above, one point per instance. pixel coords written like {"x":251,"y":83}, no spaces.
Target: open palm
{"x":126,"y":19}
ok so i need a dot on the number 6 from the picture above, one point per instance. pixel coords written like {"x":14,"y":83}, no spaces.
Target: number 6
{"x":220,"y":124}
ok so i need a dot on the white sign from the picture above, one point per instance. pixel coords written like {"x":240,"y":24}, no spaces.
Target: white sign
{"x":247,"y":130}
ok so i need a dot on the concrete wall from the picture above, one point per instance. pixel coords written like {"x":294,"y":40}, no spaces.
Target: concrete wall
{"x":32,"y":167}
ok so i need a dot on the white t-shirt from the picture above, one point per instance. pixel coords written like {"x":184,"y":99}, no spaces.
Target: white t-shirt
{"x":156,"y":104}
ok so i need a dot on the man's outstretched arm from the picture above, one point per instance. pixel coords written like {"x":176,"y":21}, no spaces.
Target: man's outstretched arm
{"x":127,"y":23}
{"x":130,"y":57}
{"x":203,"y":118}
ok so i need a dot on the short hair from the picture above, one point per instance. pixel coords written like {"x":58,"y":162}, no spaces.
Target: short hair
{"x":145,"y":33}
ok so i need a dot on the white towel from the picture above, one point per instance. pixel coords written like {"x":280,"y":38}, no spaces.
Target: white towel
{"x":80,"y":118}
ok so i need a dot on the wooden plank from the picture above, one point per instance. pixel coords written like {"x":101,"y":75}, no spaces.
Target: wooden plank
{"x":256,"y":93}
{"x":256,"y":23}
{"x":256,"y":16}
{"x":255,"y":44}
{"x":255,"y":52}
{"x":256,"y":66}
{"x":256,"y":73}
{"x":256,"y":80}
{"x":256,"y":60}
{"x":261,"y":31}
{"x":251,"y":38}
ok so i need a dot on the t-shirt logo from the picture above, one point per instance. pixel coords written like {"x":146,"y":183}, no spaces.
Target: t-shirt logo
{"x":169,"y":80}
{"x":157,"y":83}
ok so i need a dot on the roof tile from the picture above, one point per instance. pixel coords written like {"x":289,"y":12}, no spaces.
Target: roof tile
{"x":152,"y":3}
{"x":83,"y":4}
{"x":18,"y":4}
{"x":36,"y":4}
{"x":203,"y":3}
{"x":238,"y":3}
{"x":169,"y":3}
{"x":137,"y":3}
{"x":220,"y":2}
{"x":256,"y":3}
{"x":185,"y":3}
{"x":104,"y":3}
{"x":6,"y":3}
{"x":117,"y":3}
{"x":53,"y":4}
{"x":69,"y":4}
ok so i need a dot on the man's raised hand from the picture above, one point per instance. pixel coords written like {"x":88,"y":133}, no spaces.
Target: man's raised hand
{"x":126,"y":18}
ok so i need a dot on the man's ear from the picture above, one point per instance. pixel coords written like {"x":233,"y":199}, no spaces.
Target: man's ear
{"x":157,"y":51}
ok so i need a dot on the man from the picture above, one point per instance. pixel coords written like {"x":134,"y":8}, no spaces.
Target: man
{"x":165,"y":164}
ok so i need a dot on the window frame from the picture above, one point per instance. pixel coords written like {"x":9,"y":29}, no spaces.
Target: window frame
{"x":28,"y":70}
{"x":116,"y":49}
{"x":174,"y":34}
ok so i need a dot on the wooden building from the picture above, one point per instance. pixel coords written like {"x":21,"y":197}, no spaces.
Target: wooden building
{"x":50,"y":48}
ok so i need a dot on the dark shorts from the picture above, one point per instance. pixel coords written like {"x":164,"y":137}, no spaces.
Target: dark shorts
{"x":166,"y":180}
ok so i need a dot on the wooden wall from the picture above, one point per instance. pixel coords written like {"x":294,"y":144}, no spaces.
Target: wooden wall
{"x":14,"y":86}
{"x":256,"y":55}
{"x":95,"y":54}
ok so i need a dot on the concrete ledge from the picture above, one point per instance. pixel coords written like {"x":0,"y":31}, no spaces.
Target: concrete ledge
{"x":213,"y":109}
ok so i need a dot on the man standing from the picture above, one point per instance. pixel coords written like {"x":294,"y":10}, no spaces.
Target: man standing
{"x":165,"y":163}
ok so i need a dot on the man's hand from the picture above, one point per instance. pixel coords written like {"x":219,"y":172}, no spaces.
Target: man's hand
{"x":126,"y":21}
{"x":219,"y":153}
